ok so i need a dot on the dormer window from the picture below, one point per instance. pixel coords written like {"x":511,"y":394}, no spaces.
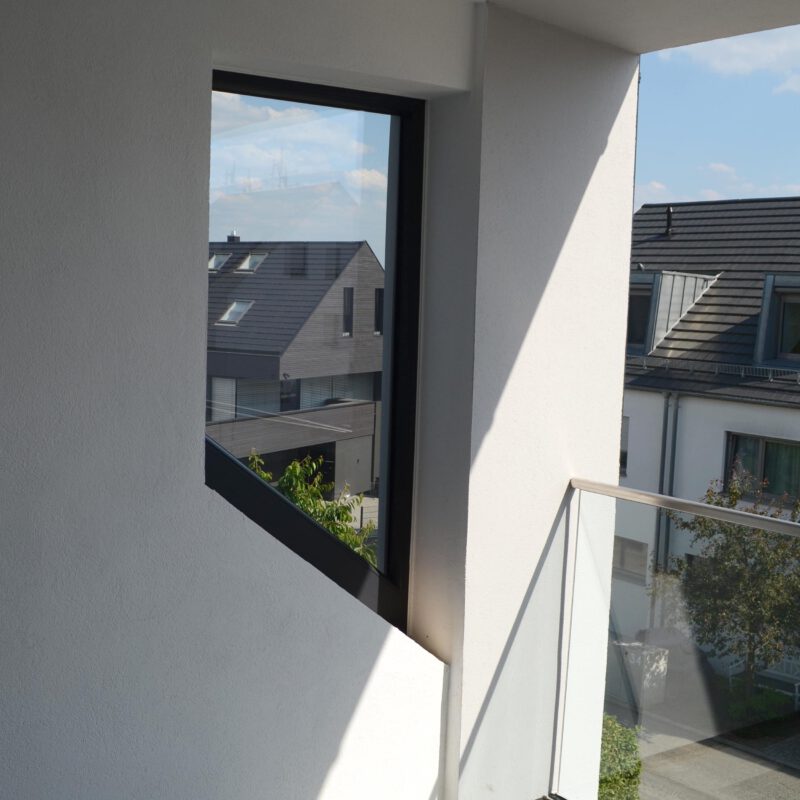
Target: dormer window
{"x":217,"y":260}
{"x":789,"y":336}
{"x":252,"y":262}
{"x":639,"y":303}
{"x":640,"y":311}
{"x":235,"y":312}
{"x":657,"y":302}
{"x":779,"y":323}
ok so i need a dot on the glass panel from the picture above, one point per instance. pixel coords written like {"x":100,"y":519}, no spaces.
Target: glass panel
{"x":235,"y":311}
{"x":298,"y":199}
{"x":790,"y":327}
{"x":638,"y":316}
{"x":745,"y":452}
{"x":703,"y":673}
{"x":782,"y":468}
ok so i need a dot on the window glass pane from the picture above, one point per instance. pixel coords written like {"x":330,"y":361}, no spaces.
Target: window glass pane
{"x":790,"y":327}
{"x":630,"y":557}
{"x":379,"y":311}
{"x":347,"y":312}
{"x":745,"y":456}
{"x":638,"y":316}
{"x":298,"y":199}
{"x":782,"y":468}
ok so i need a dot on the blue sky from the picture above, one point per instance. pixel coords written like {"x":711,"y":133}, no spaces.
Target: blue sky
{"x":295,"y":172}
{"x":720,"y":120}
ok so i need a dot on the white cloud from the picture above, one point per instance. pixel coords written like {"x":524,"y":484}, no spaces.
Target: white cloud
{"x":652,"y":192}
{"x":791,"y":84}
{"x":711,"y":194}
{"x":776,"y":51}
{"x":722,"y":169}
{"x":230,"y":111}
{"x":366,"y":179}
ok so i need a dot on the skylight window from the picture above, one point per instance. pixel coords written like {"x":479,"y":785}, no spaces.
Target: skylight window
{"x":252,"y":262}
{"x":217,"y":260}
{"x":235,"y":312}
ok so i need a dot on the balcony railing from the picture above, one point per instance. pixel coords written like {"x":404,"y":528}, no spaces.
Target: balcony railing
{"x":702,"y":677}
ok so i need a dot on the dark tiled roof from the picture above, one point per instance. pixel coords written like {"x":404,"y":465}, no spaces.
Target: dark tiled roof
{"x":741,"y":241}
{"x":285,"y":289}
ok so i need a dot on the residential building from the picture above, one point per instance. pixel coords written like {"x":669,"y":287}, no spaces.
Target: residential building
{"x":155,"y":641}
{"x":270,"y":389}
{"x":712,"y":379}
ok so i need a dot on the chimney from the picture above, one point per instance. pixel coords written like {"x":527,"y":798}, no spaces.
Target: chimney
{"x":233,"y":236}
{"x":669,"y":221}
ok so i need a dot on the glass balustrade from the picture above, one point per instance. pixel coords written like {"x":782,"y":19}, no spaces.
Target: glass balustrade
{"x":702,"y":686}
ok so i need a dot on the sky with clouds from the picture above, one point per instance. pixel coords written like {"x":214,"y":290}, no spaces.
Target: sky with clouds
{"x":284,"y":171}
{"x":720,"y":120}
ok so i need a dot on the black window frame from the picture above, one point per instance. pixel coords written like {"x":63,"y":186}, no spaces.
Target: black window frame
{"x":386,"y":592}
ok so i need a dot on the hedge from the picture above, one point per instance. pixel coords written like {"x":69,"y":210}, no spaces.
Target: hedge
{"x":620,"y":766}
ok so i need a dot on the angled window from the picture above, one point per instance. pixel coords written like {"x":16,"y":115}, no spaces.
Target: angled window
{"x":217,"y":260}
{"x":347,"y":311}
{"x":328,"y":219}
{"x":251,"y":262}
{"x":378,"y":327}
{"x":235,"y":311}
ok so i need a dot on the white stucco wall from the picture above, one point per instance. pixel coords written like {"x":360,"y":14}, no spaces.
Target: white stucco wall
{"x":702,"y":428}
{"x":153,"y":643}
{"x":549,"y":131}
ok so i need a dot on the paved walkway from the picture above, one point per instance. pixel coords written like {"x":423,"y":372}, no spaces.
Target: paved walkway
{"x":715,"y":771}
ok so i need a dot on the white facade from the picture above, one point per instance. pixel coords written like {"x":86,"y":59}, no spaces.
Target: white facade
{"x":153,"y":642}
{"x":703,"y":424}
{"x":700,"y":432}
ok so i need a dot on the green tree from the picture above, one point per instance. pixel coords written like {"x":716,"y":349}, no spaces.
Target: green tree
{"x":302,"y":483}
{"x":742,"y":588}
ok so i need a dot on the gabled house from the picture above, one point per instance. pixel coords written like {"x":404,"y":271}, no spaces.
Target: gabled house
{"x":712,"y":383}
{"x":295,"y":354}
{"x":713,"y":362}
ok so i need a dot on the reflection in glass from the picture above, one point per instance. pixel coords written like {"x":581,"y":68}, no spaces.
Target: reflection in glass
{"x":297,"y":275}
{"x":703,"y":671}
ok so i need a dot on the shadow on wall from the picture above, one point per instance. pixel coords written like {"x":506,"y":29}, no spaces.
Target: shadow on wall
{"x":508,"y":259}
{"x":520,"y":687}
{"x":532,"y":222}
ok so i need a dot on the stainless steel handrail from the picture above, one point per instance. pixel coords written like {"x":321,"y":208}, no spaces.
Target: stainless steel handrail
{"x":731,"y":515}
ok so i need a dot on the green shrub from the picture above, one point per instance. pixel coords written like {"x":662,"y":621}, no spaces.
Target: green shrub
{"x":302,"y":483}
{"x":620,"y":765}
